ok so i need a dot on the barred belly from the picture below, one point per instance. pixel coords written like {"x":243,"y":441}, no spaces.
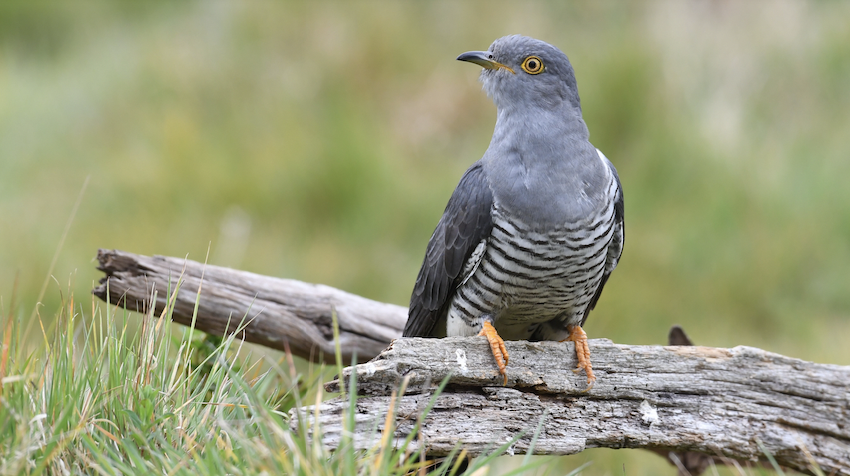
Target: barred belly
{"x":524,"y":278}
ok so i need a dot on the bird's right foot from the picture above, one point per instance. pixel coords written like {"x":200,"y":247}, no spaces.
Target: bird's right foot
{"x":497,"y":346}
{"x":578,"y":336}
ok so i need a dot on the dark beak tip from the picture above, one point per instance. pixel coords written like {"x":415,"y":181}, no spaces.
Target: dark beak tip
{"x":473,"y":56}
{"x":483,"y":59}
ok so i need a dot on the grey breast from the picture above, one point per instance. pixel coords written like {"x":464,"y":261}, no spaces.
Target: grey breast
{"x":535,"y":227}
{"x":528,"y":274}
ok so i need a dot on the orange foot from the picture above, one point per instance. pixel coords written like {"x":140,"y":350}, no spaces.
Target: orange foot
{"x":578,"y":336}
{"x":497,"y":345}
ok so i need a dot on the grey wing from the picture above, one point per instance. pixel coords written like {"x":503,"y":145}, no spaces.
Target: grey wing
{"x":466,"y":221}
{"x":618,"y":238}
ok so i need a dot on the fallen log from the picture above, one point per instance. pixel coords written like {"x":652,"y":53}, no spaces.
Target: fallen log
{"x":723,"y":402}
{"x":685,"y":401}
{"x":280,"y":312}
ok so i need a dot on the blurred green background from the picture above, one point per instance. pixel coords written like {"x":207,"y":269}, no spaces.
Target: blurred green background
{"x":320,"y":141}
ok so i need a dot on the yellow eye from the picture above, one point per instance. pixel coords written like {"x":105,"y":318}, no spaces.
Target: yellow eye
{"x":532,"y":65}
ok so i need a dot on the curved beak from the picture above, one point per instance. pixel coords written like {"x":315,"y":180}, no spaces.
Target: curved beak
{"x":482,"y":58}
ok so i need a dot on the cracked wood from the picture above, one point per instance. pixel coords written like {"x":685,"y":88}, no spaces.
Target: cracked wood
{"x":278,"y":311}
{"x":715,"y":401}
{"x":688,"y":400}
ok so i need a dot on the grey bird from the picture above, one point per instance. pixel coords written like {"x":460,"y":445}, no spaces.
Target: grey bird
{"x":535,"y":227}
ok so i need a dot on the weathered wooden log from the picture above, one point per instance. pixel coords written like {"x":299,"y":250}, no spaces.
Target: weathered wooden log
{"x":720,"y":402}
{"x":684,"y":400}
{"x":279,"y":311}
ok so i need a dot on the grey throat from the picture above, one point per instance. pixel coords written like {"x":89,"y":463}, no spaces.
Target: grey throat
{"x":535,"y":227}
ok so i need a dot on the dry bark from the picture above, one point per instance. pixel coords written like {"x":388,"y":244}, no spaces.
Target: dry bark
{"x":279,"y":312}
{"x":683,"y":400}
{"x":670,"y":399}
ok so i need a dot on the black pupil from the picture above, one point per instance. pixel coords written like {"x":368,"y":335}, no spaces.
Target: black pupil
{"x":532,"y":65}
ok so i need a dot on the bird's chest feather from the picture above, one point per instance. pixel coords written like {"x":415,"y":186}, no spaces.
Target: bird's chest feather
{"x":526,"y":276}
{"x":552,"y":192}
{"x":544,"y":273}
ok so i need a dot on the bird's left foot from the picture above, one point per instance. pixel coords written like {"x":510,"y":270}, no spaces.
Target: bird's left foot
{"x":497,"y":346}
{"x":578,"y":336}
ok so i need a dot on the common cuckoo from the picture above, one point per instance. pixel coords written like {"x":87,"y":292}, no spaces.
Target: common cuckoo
{"x":535,"y":227}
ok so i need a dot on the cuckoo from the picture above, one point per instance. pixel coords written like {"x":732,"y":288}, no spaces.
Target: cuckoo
{"x":535,"y":227}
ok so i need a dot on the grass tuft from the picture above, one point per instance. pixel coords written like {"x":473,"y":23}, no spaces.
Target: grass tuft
{"x":115,"y":393}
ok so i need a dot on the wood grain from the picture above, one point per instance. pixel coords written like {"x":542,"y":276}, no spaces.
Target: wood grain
{"x":695,"y":399}
{"x":682,"y":400}
{"x":278,"y":311}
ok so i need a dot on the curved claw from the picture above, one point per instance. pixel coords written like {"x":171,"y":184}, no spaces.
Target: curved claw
{"x":497,"y":346}
{"x":578,"y":336}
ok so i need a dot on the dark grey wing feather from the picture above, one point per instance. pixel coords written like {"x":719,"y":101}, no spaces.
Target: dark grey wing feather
{"x":466,"y":221}
{"x":618,"y":240}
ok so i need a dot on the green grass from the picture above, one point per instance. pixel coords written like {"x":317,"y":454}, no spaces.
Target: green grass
{"x":96,"y":397}
{"x":320,"y":141}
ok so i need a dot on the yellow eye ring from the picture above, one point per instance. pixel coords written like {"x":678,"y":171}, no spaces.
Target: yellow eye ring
{"x":532,"y":65}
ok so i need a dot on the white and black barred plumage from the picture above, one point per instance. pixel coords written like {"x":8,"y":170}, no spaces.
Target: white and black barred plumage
{"x":481,"y":261}
{"x":535,"y":228}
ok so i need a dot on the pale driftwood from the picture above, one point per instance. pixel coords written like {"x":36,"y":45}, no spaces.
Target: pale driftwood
{"x":278,"y":311}
{"x":698,"y":399}
{"x":687,"y":400}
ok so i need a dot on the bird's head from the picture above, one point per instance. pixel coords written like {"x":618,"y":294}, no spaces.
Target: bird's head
{"x":521,"y":72}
